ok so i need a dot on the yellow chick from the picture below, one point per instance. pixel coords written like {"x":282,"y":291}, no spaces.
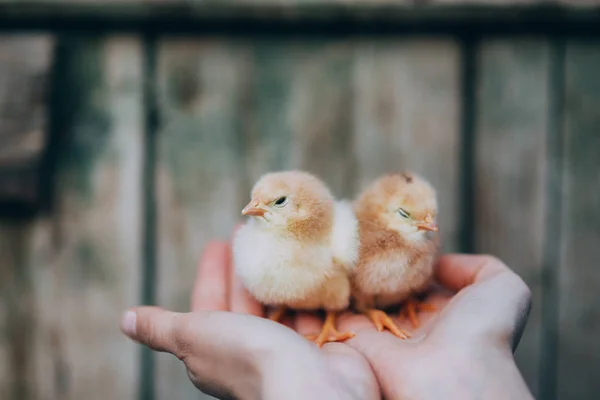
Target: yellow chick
{"x":297,"y":248}
{"x":396,"y":215}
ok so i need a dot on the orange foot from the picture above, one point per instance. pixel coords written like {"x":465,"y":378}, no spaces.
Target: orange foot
{"x":329,"y":333}
{"x":410,"y":309}
{"x":382,"y":320}
{"x":278,"y":314}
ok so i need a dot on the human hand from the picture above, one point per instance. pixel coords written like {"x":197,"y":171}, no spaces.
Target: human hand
{"x":463,"y":350}
{"x":240,"y":355}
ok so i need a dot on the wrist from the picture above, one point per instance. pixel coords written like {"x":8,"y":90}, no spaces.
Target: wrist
{"x":481,"y":373}
{"x":503,"y":378}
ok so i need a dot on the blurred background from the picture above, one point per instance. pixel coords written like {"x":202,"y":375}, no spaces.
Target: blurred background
{"x":131,"y":132}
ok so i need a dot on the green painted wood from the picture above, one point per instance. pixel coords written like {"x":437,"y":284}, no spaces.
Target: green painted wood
{"x":406,"y":115}
{"x":85,"y":254}
{"x":579,"y":316}
{"x":24,"y":82}
{"x":512,"y":123}
{"x":199,"y":171}
{"x":24,"y":69}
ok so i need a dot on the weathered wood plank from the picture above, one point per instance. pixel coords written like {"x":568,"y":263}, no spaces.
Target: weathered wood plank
{"x":24,"y":69}
{"x":301,"y":99}
{"x":86,"y":254}
{"x":510,"y":191}
{"x":201,"y":91}
{"x":137,"y":5}
{"x":407,"y":113}
{"x":17,"y":313}
{"x":517,"y":3}
{"x":179,"y":15}
{"x":579,"y":315}
{"x":233,"y":113}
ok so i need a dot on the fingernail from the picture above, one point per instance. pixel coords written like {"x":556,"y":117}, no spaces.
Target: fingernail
{"x":128,"y":322}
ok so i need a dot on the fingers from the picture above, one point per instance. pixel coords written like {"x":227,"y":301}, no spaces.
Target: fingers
{"x":493,"y":302}
{"x":456,"y":271}
{"x":240,"y":300}
{"x":217,"y":286}
{"x":211,"y":286}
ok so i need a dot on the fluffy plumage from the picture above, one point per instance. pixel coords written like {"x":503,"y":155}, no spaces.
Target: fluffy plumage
{"x":298,"y":247}
{"x":396,"y":215}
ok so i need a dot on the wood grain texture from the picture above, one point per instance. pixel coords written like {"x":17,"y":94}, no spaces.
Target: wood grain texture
{"x":406,"y":116}
{"x":300,"y":112}
{"x":232,"y":113}
{"x":17,"y":312}
{"x":201,"y":91}
{"x":510,"y":190}
{"x":24,"y":78}
{"x":579,"y":316}
{"x":86,"y":254}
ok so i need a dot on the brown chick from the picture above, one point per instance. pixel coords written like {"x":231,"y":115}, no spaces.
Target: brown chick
{"x":297,"y":248}
{"x":396,"y":216}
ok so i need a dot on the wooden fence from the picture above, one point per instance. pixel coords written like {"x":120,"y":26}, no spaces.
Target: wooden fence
{"x":140,"y":128}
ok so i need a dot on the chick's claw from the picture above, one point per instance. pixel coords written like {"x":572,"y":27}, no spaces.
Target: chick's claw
{"x":329,"y":333}
{"x":278,"y":314}
{"x":382,"y":320}
{"x":412,"y":307}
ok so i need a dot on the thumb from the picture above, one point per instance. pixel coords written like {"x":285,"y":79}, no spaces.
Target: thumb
{"x":159,"y":329}
{"x":223,"y":351}
{"x":210,"y":334}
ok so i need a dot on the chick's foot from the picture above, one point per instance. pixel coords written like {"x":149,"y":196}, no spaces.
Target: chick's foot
{"x":278,"y":314}
{"x":412,"y":307}
{"x":329,"y":333}
{"x":382,"y":321}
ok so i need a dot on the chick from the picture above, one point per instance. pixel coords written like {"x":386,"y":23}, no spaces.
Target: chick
{"x":396,"y":215}
{"x":298,"y":248}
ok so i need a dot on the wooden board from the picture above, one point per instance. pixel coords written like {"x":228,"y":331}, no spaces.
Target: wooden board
{"x":139,"y":5}
{"x":201,"y":91}
{"x":510,"y":189}
{"x":579,"y":315}
{"x":301,"y":106}
{"x":24,"y":79}
{"x":5,"y":269}
{"x":407,"y":115}
{"x":24,"y":69}
{"x":85,"y":256}
{"x":274,"y":105}
{"x":17,"y":312}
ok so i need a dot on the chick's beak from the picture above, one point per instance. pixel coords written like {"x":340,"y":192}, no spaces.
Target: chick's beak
{"x":427,"y":224}
{"x":253,"y":208}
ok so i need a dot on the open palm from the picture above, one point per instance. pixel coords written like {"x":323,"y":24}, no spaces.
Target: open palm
{"x":480,"y":304}
{"x":218,"y":288}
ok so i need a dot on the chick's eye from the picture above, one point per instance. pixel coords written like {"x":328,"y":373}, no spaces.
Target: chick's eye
{"x":280,"y":202}
{"x":403,"y":213}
